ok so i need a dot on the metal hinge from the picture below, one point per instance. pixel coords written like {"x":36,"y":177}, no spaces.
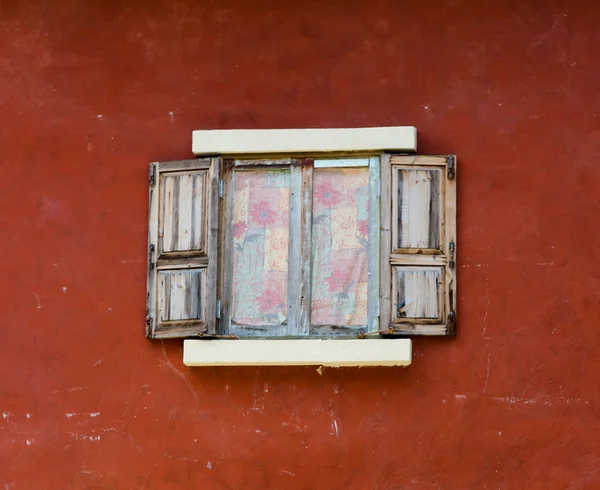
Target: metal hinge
{"x":221,"y":189}
{"x":219,"y":309}
{"x":150,"y":256}
{"x":450,"y":164}
{"x":148,"y":326}
{"x":378,"y":308}
{"x":152,"y":174}
{"x":451,"y":249}
{"x":451,"y":325}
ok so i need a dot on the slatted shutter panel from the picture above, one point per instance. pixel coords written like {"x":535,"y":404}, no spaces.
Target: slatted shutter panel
{"x":418,"y":244}
{"x":182,"y":248}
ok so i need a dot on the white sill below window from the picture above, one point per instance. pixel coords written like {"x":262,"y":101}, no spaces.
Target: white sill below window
{"x":302,"y":352}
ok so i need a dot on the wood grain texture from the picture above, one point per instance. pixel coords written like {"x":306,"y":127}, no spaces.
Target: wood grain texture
{"x":294,"y":253}
{"x":341,"y":162}
{"x":212,"y":210}
{"x":450,"y":213}
{"x":417,"y":214}
{"x":153,"y":212}
{"x":417,"y":293}
{"x":385,"y":237}
{"x":183,"y":165}
{"x":181,"y":295}
{"x":179,"y":300}
{"x":421,"y":299}
{"x":420,"y":160}
{"x":305,"y":259}
{"x":373,"y":247}
{"x":184,"y":212}
{"x":226,"y":241}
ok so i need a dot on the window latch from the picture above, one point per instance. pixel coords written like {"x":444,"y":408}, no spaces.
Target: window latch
{"x":451,"y":249}
{"x":450,"y":164}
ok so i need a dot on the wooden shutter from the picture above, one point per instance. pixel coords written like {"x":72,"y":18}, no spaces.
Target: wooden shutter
{"x":418,"y":244}
{"x":182,"y":248}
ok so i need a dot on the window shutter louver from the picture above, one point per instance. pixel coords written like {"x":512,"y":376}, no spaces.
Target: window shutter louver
{"x":418,"y":244}
{"x":182,"y":248}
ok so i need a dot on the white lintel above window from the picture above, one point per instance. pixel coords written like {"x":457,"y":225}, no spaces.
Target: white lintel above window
{"x":261,"y":141}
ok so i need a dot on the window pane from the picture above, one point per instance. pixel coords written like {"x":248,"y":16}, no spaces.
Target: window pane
{"x":339,"y":246}
{"x":260,"y":247}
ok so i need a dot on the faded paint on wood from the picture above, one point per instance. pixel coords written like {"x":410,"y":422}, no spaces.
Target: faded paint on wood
{"x":295,"y":252}
{"x":226,"y":240}
{"x":212,"y":276}
{"x":341,"y":162}
{"x":305,"y":259}
{"x":181,"y":295}
{"x":183,"y":214}
{"x":418,"y":208}
{"x":385,"y":240}
{"x":153,"y":199}
{"x":418,"y":270}
{"x":373,"y":250}
{"x":417,"y":292}
{"x":450,"y":232}
{"x":182,"y":248}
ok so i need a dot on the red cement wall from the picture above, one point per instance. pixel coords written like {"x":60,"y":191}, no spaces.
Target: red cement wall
{"x":91,"y":91}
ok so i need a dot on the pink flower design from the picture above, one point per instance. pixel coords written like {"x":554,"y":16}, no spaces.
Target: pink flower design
{"x":327,"y":194}
{"x":268,"y":301}
{"x":262,"y":214}
{"x":239,"y":229}
{"x":338,"y":281}
{"x":363,"y":227}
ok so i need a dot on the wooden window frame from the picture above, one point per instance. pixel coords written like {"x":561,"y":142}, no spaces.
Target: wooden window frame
{"x":381,"y":258}
{"x":298,"y":325}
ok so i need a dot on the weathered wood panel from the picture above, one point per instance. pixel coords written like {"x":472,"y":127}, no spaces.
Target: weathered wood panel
{"x":183,"y":212}
{"x":417,"y":292}
{"x":182,"y":254}
{"x":451,"y":251}
{"x":212,"y":246}
{"x":418,"y":208}
{"x":373,"y":266}
{"x":181,"y":295}
{"x":294,"y":299}
{"x":385,"y":240}
{"x":306,"y":256}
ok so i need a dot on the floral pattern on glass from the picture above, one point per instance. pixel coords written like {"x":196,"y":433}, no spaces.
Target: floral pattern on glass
{"x":260,"y":247}
{"x":340,"y":240}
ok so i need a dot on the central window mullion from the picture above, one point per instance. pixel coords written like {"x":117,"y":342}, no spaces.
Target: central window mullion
{"x":295,"y":288}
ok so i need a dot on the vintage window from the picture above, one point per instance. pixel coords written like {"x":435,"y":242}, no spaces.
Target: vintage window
{"x":302,"y":247}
